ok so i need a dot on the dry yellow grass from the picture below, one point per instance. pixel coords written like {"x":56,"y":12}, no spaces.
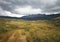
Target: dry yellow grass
{"x":29,"y":31}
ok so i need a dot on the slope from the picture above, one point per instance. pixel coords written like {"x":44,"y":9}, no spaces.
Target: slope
{"x":14,"y":30}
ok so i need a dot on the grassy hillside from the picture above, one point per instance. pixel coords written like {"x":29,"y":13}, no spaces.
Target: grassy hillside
{"x":56,"y":21}
{"x":14,"y":30}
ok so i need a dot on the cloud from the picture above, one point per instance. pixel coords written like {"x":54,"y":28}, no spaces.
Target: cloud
{"x":7,"y":13}
{"x":25,"y":7}
{"x":27,"y":10}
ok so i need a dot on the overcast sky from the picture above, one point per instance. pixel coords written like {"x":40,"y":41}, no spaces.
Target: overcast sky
{"x":20,"y":8}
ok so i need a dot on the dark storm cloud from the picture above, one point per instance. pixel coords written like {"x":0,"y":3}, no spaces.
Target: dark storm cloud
{"x":8,"y":6}
{"x":49,"y":6}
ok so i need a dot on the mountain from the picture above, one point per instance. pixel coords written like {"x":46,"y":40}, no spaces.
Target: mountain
{"x":9,"y":17}
{"x":40,"y":17}
{"x":34,"y":17}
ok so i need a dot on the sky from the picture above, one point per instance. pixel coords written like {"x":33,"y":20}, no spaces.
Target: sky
{"x":19,"y":8}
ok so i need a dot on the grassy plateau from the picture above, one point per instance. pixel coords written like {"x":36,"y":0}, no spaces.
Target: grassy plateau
{"x":14,"y":30}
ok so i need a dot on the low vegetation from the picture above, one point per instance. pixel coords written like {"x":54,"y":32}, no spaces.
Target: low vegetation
{"x":14,"y":30}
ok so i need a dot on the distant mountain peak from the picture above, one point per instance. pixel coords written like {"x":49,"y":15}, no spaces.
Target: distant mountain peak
{"x":40,"y":17}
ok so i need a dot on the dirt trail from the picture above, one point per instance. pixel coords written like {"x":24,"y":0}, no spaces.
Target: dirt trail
{"x":16,"y":37}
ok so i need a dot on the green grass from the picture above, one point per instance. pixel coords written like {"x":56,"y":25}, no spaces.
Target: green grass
{"x":14,"y":30}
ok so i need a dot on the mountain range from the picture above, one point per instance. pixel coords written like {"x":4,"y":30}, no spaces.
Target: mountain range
{"x":35,"y":17}
{"x":40,"y":17}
